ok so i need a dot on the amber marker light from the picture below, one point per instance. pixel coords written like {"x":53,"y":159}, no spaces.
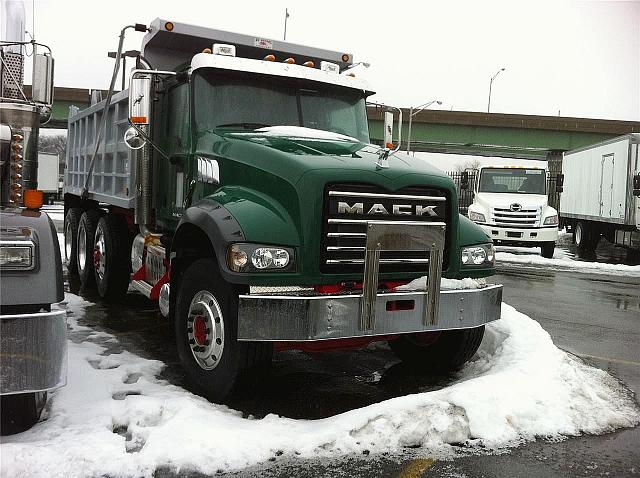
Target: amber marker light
{"x":33,"y":199}
{"x":290,"y":61}
{"x":390,"y":145}
{"x":168,"y":26}
{"x":345,"y":57}
{"x":207,"y":50}
{"x":270,"y":58}
{"x":309,"y":64}
{"x":139,"y":119}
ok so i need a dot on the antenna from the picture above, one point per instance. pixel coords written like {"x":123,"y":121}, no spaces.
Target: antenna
{"x":286,"y":16}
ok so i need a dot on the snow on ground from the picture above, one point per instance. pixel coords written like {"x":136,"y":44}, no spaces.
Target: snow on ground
{"x":560,"y":261}
{"x":116,"y":418}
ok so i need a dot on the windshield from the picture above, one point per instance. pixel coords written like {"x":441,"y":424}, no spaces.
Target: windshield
{"x":240,"y":100}
{"x":501,"y":180}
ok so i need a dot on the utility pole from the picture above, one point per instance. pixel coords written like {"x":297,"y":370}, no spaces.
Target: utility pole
{"x":286,"y":16}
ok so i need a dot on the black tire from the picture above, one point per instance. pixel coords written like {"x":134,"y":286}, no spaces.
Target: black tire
{"x":547,"y":249}
{"x":86,"y":235}
{"x":71,"y":221}
{"x":21,"y":411}
{"x":226,"y":364}
{"x":448,"y":352}
{"x":585,"y":237}
{"x":113,"y":244}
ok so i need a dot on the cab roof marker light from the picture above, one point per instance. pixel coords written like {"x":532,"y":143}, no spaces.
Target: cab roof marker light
{"x":289,"y":61}
{"x":329,"y":67}
{"x":270,"y":58}
{"x":224,"y":50}
{"x":309,"y":64}
{"x":168,"y":26}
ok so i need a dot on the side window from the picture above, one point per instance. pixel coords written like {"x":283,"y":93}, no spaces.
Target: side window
{"x":178,"y":119}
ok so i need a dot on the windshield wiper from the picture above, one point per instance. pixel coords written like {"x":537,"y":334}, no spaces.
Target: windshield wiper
{"x":243,"y":125}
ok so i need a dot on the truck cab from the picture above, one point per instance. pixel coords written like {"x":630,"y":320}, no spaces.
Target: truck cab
{"x":511,"y":205}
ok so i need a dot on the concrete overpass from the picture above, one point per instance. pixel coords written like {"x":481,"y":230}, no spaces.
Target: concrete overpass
{"x":464,"y":132}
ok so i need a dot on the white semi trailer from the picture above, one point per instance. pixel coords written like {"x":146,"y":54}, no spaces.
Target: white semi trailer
{"x":601,"y":193}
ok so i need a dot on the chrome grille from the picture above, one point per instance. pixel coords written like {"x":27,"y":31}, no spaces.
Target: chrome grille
{"x":505,"y":217}
{"x":344,"y":233}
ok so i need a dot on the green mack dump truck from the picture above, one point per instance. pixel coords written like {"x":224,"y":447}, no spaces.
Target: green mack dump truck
{"x":235,"y":183}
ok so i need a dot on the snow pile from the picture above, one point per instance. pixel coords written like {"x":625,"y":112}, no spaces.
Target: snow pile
{"x":116,"y":418}
{"x":564,"y":264}
{"x":445,"y":284}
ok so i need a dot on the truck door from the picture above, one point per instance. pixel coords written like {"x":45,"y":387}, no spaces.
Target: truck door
{"x":606,"y":185}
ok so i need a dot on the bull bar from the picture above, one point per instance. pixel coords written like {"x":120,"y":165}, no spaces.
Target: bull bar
{"x":311,"y":316}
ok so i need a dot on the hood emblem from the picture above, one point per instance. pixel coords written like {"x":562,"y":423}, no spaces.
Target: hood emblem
{"x":515,"y":207}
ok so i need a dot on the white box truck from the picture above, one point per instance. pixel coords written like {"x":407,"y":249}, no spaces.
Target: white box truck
{"x":510,"y":204}
{"x":48,"y":176}
{"x":601,"y":193}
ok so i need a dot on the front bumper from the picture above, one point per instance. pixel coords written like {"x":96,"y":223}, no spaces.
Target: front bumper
{"x":520,"y":235}
{"x":273,"y":317}
{"x":34,"y":352}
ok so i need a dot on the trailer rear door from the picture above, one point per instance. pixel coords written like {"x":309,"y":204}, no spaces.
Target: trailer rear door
{"x":606,"y":185}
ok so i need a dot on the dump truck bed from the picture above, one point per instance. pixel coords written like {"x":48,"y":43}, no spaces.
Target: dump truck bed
{"x":113,"y":178}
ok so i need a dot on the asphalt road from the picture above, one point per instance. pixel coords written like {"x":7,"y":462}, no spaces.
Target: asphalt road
{"x":596,"y":317}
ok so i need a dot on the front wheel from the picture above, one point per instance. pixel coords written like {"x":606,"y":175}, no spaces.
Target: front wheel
{"x":21,"y":411}
{"x":206,"y":329}
{"x":547,"y":249}
{"x":86,"y":236}
{"x":443,"y":352}
{"x":71,"y":222}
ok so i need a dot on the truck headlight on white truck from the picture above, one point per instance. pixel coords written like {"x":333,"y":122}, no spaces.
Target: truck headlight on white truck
{"x":551,"y":220}
{"x":482,"y":255}
{"x":477,"y":217}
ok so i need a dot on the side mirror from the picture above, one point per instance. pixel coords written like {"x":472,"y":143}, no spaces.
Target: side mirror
{"x":140,"y":100}
{"x":560,"y":183}
{"x":42,"y":91}
{"x":464,"y":180}
{"x":388,"y":129}
{"x":133,"y":139}
{"x":636,"y":185}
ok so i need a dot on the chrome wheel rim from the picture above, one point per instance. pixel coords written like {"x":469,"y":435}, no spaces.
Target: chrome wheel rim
{"x":100,"y":253}
{"x":205,"y":330}
{"x":82,"y":247}
{"x":68,"y":241}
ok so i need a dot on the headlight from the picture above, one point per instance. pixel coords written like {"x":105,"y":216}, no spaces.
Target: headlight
{"x":476,"y":217}
{"x":483,"y":255}
{"x":255,"y":257}
{"x":551,"y":221}
{"x":17,"y":255}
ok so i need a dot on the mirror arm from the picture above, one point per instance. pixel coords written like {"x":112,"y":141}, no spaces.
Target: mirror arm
{"x":150,"y":141}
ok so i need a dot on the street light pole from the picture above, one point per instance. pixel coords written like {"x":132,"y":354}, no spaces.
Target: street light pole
{"x":418,"y":109}
{"x":490,"y":84}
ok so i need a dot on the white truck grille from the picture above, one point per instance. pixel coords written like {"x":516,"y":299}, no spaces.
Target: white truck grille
{"x":524,"y":218}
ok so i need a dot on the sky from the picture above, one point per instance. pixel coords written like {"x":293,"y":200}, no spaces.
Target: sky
{"x":573,"y":58}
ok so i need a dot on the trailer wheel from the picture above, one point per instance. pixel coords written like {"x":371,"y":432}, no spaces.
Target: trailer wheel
{"x":585,"y":238}
{"x":71,"y":221}
{"x":21,"y":411}
{"x":86,"y":235}
{"x":111,"y":262}
{"x":206,"y":328}
{"x":449,"y":351}
{"x":547,"y":249}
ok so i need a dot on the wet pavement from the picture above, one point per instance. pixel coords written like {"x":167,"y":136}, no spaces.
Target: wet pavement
{"x":596,"y":317}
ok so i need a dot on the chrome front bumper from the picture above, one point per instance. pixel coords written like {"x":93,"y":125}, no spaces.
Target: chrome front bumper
{"x":272,"y":317}
{"x":34,"y":352}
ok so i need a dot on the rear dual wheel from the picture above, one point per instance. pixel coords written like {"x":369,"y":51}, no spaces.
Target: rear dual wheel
{"x":111,"y":259}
